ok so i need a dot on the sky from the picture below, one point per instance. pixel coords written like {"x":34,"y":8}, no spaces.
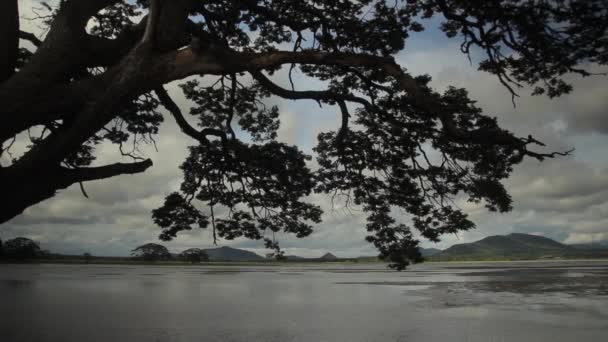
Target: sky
{"x":565,"y":199}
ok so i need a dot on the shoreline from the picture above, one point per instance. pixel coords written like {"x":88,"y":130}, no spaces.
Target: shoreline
{"x":283,"y":264}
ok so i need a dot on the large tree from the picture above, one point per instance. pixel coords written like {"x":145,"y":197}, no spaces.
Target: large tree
{"x":151,"y":252}
{"x":98,"y":75}
{"x":21,"y":248}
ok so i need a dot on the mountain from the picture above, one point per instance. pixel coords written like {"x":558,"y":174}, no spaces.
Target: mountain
{"x":226,"y":253}
{"x":328,"y":257}
{"x":427,"y":252}
{"x":514,"y":245}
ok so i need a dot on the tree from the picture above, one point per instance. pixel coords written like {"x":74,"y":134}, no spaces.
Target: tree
{"x":1,"y":250}
{"x":21,"y":248}
{"x":194,"y":255}
{"x":87,"y":257}
{"x":151,"y":252}
{"x":98,"y":77}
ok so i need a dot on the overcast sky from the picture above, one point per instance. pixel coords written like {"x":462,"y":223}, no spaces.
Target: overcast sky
{"x":565,"y":199}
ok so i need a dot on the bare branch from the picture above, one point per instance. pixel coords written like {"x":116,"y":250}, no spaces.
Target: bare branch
{"x":30,"y":37}
{"x":84,"y":193}
{"x":183,"y":124}
{"x":543,"y":156}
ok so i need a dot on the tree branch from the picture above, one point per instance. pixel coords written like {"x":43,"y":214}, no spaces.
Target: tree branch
{"x":325,"y":96}
{"x":183,"y":124}
{"x":344,"y":127}
{"x":152,"y":22}
{"x":407,"y":83}
{"x":102,"y":172}
{"x":30,"y":37}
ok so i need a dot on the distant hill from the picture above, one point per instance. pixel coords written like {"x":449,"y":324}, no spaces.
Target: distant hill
{"x":226,"y":253}
{"x":594,"y":245}
{"x":328,"y":257}
{"x":514,"y":246}
{"x":427,"y":252}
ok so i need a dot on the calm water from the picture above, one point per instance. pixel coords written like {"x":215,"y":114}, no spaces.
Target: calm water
{"x":552,"y":301}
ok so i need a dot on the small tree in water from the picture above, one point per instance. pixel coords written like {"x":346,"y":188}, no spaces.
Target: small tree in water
{"x":151,"y":252}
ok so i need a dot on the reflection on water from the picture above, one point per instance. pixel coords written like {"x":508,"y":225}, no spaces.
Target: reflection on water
{"x":553,"y":301}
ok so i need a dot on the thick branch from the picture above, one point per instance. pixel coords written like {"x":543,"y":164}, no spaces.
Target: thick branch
{"x":344,"y":127}
{"x":167,"y":24}
{"x":102,"y":172}
{"x":28,"y":188}
{"x":324,"y":96}
{"x":30,"y":37}
{"x":152,"y":22}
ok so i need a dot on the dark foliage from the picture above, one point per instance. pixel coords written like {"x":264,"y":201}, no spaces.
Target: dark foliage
{"x":194,"y":255}
{"x":21,"y":248}
{"x":151,"y":252}
{"x":401,"y":145}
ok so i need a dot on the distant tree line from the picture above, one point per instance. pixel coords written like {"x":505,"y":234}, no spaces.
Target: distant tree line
{"x":156,"y":252}
{"x":22,"y":249}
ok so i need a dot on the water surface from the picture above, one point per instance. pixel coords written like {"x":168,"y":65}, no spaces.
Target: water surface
{"x":531,"y":301}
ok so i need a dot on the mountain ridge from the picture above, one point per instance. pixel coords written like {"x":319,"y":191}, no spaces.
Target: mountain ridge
{"x":515,"y":246}
{"x":226,"y":253}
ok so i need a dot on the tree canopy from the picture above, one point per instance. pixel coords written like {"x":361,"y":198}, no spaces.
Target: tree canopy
{"x":21,"y":248}
{"x":151,"y":252}
{"x":194,"y":255}
{"x":98,"y":75}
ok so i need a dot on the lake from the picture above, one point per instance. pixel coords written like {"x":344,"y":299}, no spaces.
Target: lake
{"x":523,"y":301}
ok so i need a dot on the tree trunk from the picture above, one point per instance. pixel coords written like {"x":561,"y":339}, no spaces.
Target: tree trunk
{"x":9,"y":37}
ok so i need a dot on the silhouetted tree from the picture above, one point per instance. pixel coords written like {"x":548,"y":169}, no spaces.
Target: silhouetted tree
{"x":22,"y":249}
{"x":98,"y":77}
{"x":1,"y":250}
{"x":194,"y":255}
{"x":151,"y":252}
